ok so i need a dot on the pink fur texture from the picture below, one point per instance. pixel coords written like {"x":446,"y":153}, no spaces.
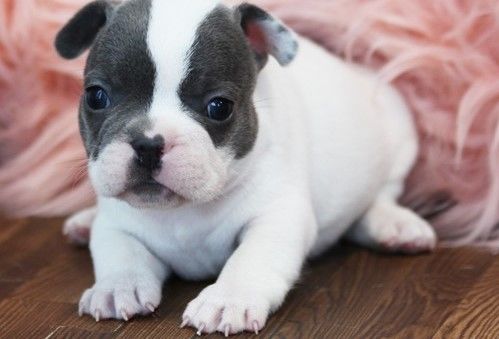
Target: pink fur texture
{"x":41,"y":157}
{"x":443,"y":56}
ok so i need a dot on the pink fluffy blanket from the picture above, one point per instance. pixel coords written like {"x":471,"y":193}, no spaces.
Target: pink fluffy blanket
{"x":443,"y":55}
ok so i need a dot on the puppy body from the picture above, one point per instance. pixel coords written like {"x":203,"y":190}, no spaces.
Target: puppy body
{"x":333,"y":146}
{"x":305,"y":152}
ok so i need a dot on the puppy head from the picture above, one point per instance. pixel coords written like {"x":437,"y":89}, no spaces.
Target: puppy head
{"x":168,"y":101}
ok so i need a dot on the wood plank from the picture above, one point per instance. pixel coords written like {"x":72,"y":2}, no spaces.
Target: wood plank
{"x":67,"y":275}
{"x":347,"y":293}
{"x":372,"y":295}
{"x":477,"y":316}
{"x":22,"y":251}
{"x":65,"y":332}
{"x":9,"y":227}
{"x":21,"y":318}
{"x":426,"y":295}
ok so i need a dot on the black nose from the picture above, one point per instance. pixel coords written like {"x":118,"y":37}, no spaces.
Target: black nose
{"x":149,"y":151}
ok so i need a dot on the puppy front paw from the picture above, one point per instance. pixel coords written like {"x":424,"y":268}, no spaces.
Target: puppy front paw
{"x":121,"y":297}
{"x":226,"y":310}
{"x":77,"y":227}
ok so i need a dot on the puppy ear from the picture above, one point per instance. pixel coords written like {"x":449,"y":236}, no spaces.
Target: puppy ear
{"x":267,"y":35}
{"x":80,"y":32}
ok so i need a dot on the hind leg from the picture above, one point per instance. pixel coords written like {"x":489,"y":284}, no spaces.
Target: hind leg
{"x":77,"y":227}
{"x":387,"y":226}
{"x":390,"y":227}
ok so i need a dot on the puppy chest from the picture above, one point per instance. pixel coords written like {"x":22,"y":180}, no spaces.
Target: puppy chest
{"x":194,"y":254}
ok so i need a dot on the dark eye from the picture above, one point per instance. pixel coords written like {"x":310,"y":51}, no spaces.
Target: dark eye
{"x":97,"y":98}
{"x":219,"y":109}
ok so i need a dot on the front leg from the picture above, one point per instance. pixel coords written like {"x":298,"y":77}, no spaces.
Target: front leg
{"x":259,"y":274}
{"x":129,"y":278}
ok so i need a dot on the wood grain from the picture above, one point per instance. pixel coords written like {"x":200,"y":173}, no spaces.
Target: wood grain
{"x":467,"y":320}
{"x":347,"y":293}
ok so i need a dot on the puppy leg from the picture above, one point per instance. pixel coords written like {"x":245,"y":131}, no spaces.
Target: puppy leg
{"x":259,"y":274}
{"x":77,"y":227}
{"x":387,"y":225}
{"x":393,"y":228}
{"x":129,"y":278}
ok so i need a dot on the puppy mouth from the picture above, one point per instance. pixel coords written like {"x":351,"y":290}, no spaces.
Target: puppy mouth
{"x":147,"y":186}
{"x":150,"y":189}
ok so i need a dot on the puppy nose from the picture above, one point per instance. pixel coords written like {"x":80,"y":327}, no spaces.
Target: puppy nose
{"x":149,"y":151}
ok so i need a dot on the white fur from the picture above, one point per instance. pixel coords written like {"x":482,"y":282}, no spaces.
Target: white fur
{"x":333,"y":144}
{"x":192,"y":168}
{"x":172,"y":30}
{"x":281,"y":44}
{"x":109,"y":172}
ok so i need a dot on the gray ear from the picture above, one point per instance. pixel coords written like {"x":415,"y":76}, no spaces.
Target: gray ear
{"x":267,"y":35}
{"x":80,"y":32}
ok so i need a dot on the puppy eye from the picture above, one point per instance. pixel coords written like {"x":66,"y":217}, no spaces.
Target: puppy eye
{"x":219,"y":109}
{"x":97,"y":98}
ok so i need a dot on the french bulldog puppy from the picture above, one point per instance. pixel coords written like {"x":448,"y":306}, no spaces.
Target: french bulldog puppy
{"x":210,"y":159}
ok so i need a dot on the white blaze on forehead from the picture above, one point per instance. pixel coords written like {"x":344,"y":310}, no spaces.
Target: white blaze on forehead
{"x":172,"y":31}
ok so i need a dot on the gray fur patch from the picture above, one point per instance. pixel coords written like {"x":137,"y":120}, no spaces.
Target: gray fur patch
{"x":282,"y":46}
{"x":221,"y":64}
{"x":119,"y":62}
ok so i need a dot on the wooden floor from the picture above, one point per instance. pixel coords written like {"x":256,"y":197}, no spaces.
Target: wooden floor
{"x":349,"y":293}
